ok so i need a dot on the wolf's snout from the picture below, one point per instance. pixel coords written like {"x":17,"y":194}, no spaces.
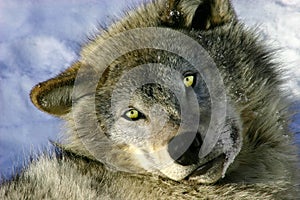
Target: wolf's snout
{"x":184,"y":148}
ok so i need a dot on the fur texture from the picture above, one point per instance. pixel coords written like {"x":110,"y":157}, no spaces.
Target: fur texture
{"x":117,"y":149}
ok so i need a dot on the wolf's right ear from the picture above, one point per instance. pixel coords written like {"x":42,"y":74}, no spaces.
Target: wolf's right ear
{"x":54,"y":96}
{"x":198,"y":14}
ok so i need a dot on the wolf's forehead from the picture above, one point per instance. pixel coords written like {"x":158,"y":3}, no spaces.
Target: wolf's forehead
{"x":139,"y":57}
{"x":132,"y":76}
{"x":156,"y":93}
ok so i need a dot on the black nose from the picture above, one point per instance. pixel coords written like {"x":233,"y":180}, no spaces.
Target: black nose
{"x":184,"y":148}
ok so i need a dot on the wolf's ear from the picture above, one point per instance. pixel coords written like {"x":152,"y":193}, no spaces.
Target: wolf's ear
{"x":199,"y":14}
{"x":55,"y":95}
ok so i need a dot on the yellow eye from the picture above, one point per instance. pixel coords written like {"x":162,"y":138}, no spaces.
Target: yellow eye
{"x":132,"y":114}
{"x":189,"y":81}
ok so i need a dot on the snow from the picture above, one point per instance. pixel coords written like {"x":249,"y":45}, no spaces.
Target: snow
{"x":278,"y":20}
{"x":38,"y":39}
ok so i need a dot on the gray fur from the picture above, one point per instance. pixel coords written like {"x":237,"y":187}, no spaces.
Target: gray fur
{"x":106,"y":157}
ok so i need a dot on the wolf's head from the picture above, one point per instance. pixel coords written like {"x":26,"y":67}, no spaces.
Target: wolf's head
{"x":148,"y":101}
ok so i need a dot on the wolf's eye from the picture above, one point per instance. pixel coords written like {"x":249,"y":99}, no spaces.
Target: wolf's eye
{"x":133,"y":114}
{"x":189,"y":80}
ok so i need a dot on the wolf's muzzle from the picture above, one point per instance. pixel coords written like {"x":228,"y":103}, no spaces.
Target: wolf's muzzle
{"x":184,"y":148}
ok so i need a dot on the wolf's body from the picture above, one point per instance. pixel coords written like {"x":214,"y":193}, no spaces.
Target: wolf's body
{"x":77,"y":178}
{"x":254,"y":153}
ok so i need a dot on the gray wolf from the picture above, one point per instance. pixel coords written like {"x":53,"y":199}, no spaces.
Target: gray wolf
{"x":178,"y":100}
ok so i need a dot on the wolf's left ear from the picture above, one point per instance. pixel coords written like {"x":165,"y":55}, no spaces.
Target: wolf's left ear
{"x":199,"y":14}
{"x":54,"y":96}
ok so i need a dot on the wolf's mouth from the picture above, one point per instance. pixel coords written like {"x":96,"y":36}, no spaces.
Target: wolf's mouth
{"x":203,"y":169}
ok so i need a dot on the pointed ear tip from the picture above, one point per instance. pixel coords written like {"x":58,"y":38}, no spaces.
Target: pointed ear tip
{"x":35,"y":97}
{"x":34,"y":94}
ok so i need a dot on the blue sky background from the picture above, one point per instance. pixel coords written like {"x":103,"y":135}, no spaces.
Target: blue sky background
{"x":40,"y":38}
